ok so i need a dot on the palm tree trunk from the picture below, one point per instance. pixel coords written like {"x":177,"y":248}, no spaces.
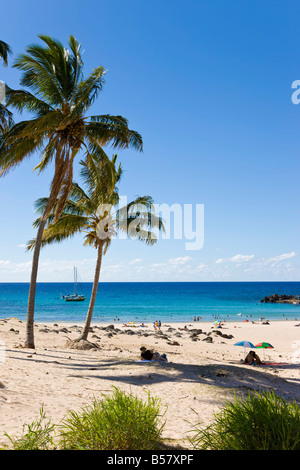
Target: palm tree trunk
{"x":29,"y":341}
{"x":93,"y":296}
{"x":55,"y":187}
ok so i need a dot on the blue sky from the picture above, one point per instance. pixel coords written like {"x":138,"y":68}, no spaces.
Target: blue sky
{"x":207,"y":83}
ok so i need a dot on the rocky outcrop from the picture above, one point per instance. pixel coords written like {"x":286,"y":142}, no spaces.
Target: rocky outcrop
{"x":282,"y":299}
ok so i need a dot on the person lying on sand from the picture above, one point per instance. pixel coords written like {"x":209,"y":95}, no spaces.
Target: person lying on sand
{"x":252,"y":358}
{"x":149,"y":355}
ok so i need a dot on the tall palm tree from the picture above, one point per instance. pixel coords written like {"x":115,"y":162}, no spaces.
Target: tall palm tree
{"x":93,"y":211}
{"x":5,"y":50}
{"x":59,"y":98}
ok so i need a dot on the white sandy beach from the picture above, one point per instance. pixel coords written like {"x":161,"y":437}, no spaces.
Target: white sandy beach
{"x":193,"y":385}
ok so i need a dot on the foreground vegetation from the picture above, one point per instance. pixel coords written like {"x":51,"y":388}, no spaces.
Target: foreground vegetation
{"x":263,"y":421}
{"x":117,"y":422}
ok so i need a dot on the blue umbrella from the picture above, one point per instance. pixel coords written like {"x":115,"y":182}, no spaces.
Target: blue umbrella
{"x":245,"y":344}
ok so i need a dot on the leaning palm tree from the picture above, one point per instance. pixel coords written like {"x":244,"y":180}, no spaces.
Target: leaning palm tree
{"x":5,"y":50}
{"x":59,"y":98}
{"x":93,"y":211}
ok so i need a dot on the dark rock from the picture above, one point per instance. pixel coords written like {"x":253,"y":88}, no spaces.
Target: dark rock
{"x":196,"y":331}
{"x":282,"y":298}
{"x":208,"y":339}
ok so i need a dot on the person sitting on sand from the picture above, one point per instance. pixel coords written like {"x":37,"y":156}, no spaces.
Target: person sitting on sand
{"x":252,"y":358}
{"x":149,"y":355}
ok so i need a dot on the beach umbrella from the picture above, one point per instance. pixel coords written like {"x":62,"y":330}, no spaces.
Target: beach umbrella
{"x":245,"y":344}
{"x":263,"y":345}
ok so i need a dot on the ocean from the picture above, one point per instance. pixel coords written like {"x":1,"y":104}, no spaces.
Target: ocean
{"x":148,"y":302}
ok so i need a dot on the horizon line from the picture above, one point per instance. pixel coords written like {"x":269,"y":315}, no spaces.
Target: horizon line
{"x":135,"y":282}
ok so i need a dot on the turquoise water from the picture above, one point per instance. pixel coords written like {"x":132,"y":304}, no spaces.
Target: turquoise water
{"x":147,"y":302}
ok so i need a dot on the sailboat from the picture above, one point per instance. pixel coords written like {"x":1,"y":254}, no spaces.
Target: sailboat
{"x":74,"y":297}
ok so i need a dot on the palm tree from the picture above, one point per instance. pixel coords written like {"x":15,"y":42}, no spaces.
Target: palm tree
{"x":93,"y":211}
{"x":59,"y":99}
{"x":5,"y":50}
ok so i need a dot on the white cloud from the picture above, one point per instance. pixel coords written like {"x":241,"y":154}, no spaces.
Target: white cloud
{"x":49,"y":270}
{"x":135,"y":261}
{"x":235,"y":259}
{"x":4,"y":264}
{"x":181,"y":268}
{"x":282,"y":257}
{"x":180,"y":260}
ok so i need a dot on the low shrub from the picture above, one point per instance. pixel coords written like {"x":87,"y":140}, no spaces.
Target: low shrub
{"x":117,"y":422}
{"x":263,"y":421}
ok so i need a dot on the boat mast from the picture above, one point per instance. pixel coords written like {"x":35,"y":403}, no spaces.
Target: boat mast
{"x":75,"y":280}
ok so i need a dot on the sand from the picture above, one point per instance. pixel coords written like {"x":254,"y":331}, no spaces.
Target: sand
{"x":193,"y":385}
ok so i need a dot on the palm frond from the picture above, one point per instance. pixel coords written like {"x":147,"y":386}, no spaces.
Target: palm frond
{"x":114,"y":131}
{"x":88,"y":90}
{"x":78,"y":195}
{"x":13,"y":151}
{"x":48,"y":153}
{"x":65,"y":227}
{"x":6,"y":119}
{"x":5,"y":50}
{"x":98,"y":172}
{"x":23,"y":100}
{"x":38,"y":75}
{"x":77,"y":64}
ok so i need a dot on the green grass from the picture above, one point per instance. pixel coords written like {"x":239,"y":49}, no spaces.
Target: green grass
{"x":35,"y":436}
{"x":121,"y":422}
{"x":117,"y":422}
{"x":263,"y":421}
